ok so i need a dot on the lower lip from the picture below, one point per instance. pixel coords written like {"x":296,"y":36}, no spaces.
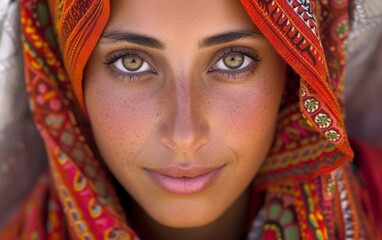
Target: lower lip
{"x":184,"y":185}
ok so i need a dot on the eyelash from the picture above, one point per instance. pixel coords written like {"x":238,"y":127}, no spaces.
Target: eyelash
{"x":124,"y":76}
{"x":226,"y":75}
{"x":235,"y":75}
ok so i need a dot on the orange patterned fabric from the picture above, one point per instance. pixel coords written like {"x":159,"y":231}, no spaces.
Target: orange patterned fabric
{"x":312,"y":133}
{"x":306,"y":175}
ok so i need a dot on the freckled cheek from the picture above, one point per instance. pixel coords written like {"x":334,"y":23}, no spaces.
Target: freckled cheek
{"x":121,"y":128}
{"x":247,"y":124}
{"x":248,"y":119}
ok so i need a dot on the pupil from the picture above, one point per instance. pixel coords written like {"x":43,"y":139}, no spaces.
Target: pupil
{"x":132,"y":63}
{"x":233,"y":60}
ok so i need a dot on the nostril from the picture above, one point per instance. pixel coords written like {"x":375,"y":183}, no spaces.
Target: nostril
{"x":185,"y":139}
{"x":184,"y":128}
{"x":182,"y":148}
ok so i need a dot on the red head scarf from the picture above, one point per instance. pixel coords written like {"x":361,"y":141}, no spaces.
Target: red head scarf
{"x":306,"y":175}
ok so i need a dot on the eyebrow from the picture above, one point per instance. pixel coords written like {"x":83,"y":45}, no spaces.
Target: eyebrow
{"x":230,"y":36}
{"x":144,"y":40}
{"x":140,"y":39}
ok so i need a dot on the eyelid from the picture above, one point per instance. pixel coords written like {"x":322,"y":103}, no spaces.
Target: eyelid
{"x":249,"y":52}
{"x":121,"y":67}
{"x":111,"y":58}
{"x":114,"y":56}
{"x":235,"y":75}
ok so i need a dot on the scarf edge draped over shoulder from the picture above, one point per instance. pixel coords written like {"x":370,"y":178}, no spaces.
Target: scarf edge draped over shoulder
{"x":311,"y":133}
{"x":306,"y":174}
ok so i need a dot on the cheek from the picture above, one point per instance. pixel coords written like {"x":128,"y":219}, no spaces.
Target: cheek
{"x":247,"y":119}
{"x":121,"y":126}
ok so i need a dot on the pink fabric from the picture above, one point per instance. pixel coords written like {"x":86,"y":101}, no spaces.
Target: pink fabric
{"x":369,"y":160}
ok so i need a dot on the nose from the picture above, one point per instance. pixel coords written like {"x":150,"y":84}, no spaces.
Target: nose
{"x":185,"y":129}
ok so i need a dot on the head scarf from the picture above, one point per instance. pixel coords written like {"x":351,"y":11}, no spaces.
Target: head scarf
{"x":306,"y":175}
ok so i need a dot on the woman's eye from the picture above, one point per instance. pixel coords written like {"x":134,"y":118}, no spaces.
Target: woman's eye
{"x":234,"y":64}
{"x":233,"y":61}
{"x":132,"y":64}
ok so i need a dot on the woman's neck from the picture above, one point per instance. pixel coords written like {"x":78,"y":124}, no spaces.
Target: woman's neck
{"x":231,"y":225}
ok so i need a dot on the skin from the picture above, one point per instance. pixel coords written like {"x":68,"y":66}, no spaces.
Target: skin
{"x":185,"y":109}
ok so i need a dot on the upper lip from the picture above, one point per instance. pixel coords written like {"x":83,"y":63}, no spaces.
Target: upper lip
{"x":184,"y":172}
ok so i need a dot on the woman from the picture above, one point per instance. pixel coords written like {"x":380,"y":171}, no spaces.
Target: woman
{"x":184,"y":121}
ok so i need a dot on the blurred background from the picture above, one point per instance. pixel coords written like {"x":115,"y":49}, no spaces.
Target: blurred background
{"x":363,"y":85}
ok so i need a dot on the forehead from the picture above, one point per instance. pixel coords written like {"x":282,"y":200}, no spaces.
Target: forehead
{"x":181,"y":17}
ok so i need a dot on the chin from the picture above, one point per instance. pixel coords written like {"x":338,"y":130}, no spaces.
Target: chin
{"x":186,"y":216}
{"x":186,"y":221}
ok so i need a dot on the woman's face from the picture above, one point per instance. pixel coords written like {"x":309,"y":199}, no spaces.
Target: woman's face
{"x":183,"y":99}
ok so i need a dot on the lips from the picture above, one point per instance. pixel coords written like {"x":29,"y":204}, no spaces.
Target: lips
{"x":178,"y":180}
